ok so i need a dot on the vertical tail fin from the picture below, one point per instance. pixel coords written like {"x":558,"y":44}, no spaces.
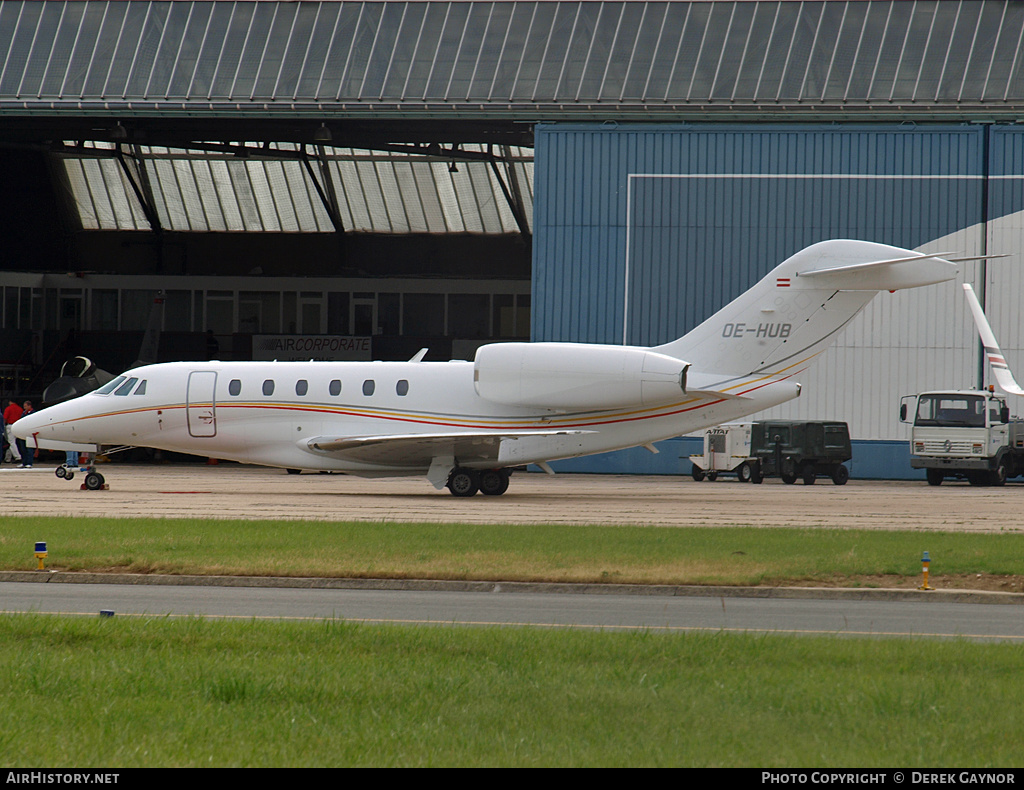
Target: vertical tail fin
{"x":1002,"y":372}
{"x":799,"y":308}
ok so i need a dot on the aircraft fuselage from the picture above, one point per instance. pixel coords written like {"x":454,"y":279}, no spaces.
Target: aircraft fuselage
{"x":267,"y":412}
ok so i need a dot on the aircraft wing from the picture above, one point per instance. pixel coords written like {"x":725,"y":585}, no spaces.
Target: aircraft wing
{"x":419,"y":449}
{"x":1003,"y":374}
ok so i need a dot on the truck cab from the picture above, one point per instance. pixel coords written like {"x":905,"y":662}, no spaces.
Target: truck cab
{"x":966,"y":434}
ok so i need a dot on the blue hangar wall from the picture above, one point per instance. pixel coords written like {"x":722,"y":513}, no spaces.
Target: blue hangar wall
{"x":642,"y":231}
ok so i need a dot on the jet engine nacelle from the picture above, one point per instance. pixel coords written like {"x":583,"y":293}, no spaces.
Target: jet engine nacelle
{"x":576,"y":376}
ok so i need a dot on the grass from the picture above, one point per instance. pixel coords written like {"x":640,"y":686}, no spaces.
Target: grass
{"x":634,"y":554}
{"x":127,"y":692}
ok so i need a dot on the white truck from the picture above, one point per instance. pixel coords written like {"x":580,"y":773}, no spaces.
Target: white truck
{"x":966,"y":434}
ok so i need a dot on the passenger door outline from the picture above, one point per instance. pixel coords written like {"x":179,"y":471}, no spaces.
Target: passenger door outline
{"x":201,"y":404}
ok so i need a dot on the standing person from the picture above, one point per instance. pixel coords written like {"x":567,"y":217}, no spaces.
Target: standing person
{"x":23,"y":451}
{"x":11,"y":415}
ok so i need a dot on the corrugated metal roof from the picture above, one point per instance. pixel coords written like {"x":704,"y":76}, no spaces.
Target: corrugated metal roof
{"x":542,"y":59}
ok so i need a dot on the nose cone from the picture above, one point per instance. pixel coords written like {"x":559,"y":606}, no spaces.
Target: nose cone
{"x":30,"y":424}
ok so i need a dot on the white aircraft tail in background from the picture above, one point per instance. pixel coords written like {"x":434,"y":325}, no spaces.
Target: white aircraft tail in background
{"x":1003,"y":374}
{"x":465,"y":425}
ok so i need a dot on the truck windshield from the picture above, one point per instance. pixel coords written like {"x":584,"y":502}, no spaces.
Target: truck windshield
{"x":951,"y":411}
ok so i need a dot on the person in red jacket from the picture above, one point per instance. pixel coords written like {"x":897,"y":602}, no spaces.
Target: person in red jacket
{"x":27,"y":455}
{"x":12,"y":414}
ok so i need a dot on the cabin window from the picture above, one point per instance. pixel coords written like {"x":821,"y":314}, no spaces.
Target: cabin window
{"x":368,"y":387}
{"x":301,"y":387}
{"x":110,"y":386}
{"x":127,"y":387}
{"x":335,"y":388}
{"x":268,"y":387}
{"x":402,"y":388}
{"x":141,"y":389}
{"x":235,"y":387}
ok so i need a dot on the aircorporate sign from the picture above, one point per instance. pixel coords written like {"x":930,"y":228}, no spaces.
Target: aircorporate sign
{"x":295,"y":348}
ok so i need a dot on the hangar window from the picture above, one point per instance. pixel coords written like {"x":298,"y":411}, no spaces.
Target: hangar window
{"x":127,"y":387}
{"x":234,"y":387}
{"x":301,"y":387}
{"x":335,"y":388}
{"x":268,"y":387}
{"x":368,"y":387}
{"x":402,"y":388}
{"x":201,"y":190}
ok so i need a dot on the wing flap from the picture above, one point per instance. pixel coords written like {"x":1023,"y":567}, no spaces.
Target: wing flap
{"x":419,"y":449}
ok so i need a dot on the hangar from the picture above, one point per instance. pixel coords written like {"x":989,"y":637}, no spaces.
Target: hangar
{"x":444,"y":174}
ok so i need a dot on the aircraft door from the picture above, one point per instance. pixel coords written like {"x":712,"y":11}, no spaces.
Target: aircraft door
{"x":200,"y":409}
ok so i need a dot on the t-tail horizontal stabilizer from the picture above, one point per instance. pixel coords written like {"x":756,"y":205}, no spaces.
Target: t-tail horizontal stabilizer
{"x":1003,"y":374}
{"x":799,"y":308}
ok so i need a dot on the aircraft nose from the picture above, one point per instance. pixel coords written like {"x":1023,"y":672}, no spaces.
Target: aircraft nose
{"x":29,"y":424}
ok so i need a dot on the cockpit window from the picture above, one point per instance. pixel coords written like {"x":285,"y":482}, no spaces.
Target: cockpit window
{"x":125,"y":388}
{"x":111,"y":385}
{"x":141,"y":389}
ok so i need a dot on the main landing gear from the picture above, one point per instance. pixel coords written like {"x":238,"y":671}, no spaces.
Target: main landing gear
{"x":466,"y":482}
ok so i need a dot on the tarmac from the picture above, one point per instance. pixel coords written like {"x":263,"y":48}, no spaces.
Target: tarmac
{"x":228,"y":490}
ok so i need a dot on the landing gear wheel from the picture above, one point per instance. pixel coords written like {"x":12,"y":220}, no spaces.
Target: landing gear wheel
{"x":493,"y":482}
{"x":463,"y":482}
{"x":94,"y":481}
{"x":934,"y":477}
{"x":697,"y":473}
{"x":809,"y":474}
{"x":712,"y":476}
{"x":294,"y":471}
{"x":61,"y":472}
{"x":745,"y":473}
{"x":840,"y":475}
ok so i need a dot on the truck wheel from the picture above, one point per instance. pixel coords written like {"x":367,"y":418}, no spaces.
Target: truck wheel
{"x":999,"y":474}
{"x":934,"y":477}
{"x":697,"y":473}
{"x":756,"y":475}
{"x":712,"y":476}
{"x":744,"y":473}
{"x":788,"y":471}
{"x":809,"y":474}
{"x":840,"y":475}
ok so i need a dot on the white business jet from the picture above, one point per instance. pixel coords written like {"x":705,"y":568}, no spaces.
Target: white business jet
{"x":464,"y":425}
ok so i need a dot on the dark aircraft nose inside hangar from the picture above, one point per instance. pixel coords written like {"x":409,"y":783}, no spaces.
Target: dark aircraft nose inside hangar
{"x":445,"y":174}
